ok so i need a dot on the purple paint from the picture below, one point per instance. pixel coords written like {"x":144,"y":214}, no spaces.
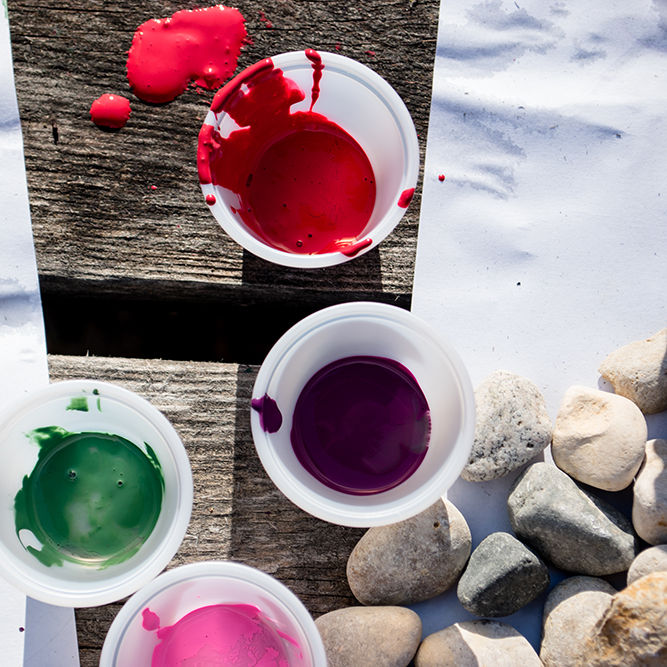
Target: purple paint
{"x":361,"y":425}
{"x":270,"y":418}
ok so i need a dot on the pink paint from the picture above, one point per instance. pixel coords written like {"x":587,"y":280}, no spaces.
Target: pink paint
{"x":110,"y":111}
{"x":370,"y":53}
{"x":193,"y":44}
{"x":304,"y":185}
{"x":355,"y":248}
{"x":210,"y":200}
{"x":441,"y":177}
{"x":406,"y":197}
{"x":221,"y":634}
{"x":151,"y":621}
{"x":153,"y":187}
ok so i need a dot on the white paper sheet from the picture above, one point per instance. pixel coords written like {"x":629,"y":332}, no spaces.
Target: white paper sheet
{"x":545,"y":246}
{"x":36,"y":634}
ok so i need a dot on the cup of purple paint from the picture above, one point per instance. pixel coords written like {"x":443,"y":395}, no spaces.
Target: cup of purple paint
{"x":362,"y":415}
{"x":308,"y":159}
{"x":213,"y":612}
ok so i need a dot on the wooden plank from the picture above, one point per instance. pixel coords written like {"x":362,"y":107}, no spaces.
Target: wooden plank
{"x":238,"y":514}
{"x":98,"y":224}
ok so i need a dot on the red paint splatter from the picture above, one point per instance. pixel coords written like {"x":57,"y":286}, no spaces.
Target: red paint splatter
{"x":406,"y":197}
{"x":264,"y":20}
{"x":355,"y":248}
{"x":338,"y":46}
{"x":110,"y":111}
{"x":210,"y":200}
{"x":316,"y":60}
{"x":441,"y":177}
{"x":370,"y":53}
{"x":199,"y":44}
{"x":153,"y":187}
{"x":304,"y":185}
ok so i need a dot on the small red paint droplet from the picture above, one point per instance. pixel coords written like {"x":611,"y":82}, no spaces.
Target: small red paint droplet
{"x":441,"y":177}
{"x":153,"y":187}
{"x":370,"y":53}
{"x":338,"y":46}
{"x":210,"y":200}
{"x":110,"y":111}
{"x":406,"y":197}
{"x":21,"y":629}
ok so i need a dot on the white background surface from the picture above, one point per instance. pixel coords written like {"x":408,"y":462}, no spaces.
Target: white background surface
{"x":544,"y":248}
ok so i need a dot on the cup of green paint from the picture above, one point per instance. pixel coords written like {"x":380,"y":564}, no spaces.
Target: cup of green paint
{"x":96,"y":493}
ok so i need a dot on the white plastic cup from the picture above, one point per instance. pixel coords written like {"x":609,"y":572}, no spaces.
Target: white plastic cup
{"x":112,"y":410}
{"x":184,"y":589}
{"x":361,"y":102}
{"x":373,"y":329}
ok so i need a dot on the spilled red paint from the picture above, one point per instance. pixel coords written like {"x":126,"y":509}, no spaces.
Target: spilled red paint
{"x":202,"y":45}
{"x":210,"y":200}
{"x":110,"y":111}
{"x":153,"y":187}
{"x":265,"y":21}
{"x":355,"y":248}
{"x":304,"y":185}
{"x":406,"y":197}
{"x":441,"y":177}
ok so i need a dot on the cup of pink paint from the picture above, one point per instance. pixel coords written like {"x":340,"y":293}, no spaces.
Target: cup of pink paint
{"x":213,"y":612}
{"x":308,"y":159}
{"x":362,"y":414}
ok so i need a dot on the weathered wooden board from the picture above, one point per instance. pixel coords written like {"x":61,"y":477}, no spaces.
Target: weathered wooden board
{"x":99,"y":226}
{"x":238,"y":514}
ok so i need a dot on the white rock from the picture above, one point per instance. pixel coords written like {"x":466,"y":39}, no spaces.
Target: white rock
{"x":476,"y":644}
{"x":599,"y":438}
{"x":638,"y":371}
{"x":650,"y":560}
{"x":649,"y":506}
{"x":571,"y":612}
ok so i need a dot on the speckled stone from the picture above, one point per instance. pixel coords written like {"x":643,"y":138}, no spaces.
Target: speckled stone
{"x":378,"y":636}
{"x":599,"y":438}
{"x":649,"y":503}
{"x":502,"y":576}
{"x":653,"y":559}
{"x":412,"y":560}
{"x":572,"y":529}
{"x":476,"y":644}
{"x":638,"y":371}
{"x":633,"y":630}
{"x":512,"y":426}
{"x":571,"y":612}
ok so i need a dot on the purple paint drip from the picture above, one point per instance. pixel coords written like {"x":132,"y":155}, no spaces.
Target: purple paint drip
{"x":270,"y":418}
{"x":361,"y":425}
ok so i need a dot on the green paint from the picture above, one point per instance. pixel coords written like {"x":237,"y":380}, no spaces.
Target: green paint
{"x":92,"y":498}
{"x":99,"y":405}
{"x":78,"y":403}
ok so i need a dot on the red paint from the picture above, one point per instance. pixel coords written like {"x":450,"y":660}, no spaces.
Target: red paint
{"x":355,"y":248}
{"x":304,"y":184}
{"x":153,"y":187}
{"x":441,"y":177}
{"x":338,"y":46}
{"x":210,"y":200}
{"x":316,"y":59}
{"x":264,"y":20}
{"x":199,"y":44}
{"x":406,"y":197}
{"x":110,"y":111}
{"x":370,"y":53}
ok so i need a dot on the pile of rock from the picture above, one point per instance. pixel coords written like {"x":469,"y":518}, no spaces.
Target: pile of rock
{"x":598,"y":439}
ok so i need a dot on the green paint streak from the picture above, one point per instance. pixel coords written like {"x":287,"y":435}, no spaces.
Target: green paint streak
{"x":92,"y":498}
{"x":99,"y":405}
{"x":78,"y":403}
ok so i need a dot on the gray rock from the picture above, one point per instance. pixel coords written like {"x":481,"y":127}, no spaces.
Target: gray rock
{"x":476,"y":644}
{"x":633,"y":630}
{"x":649,"y":503}
{"x":572,"y":529}
{"x":512,"y":426}
{"x":650,"y":560}
{"x":502,"y":576}
{"x":571,"y":612}
{"x":599,"y":438}
{"x":638,"y":371}
{"x":412,"y":560}
{"x":379,"y":636}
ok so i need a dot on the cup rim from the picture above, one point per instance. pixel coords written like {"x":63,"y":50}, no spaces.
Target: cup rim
{"x":212,"y":568}
{"x":94,"y":593}
{"x":347,"y":514}
{"x":392,"y":100}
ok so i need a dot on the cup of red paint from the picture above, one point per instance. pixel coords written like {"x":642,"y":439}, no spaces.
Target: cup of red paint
{"x":308,"y":159}
{"x":213,"y":612}
{"x":362,"y":415}
{"x":96,"y":489}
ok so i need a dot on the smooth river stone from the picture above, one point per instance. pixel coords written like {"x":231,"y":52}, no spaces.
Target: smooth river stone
{"x":412,"y":560}
{"x":476,"y":644}
{"x":653,"y":559}
{"x":379,"y":636}
{"x":567,"y":526}
{"x":633,"y":630}
{"x":502,"y":576}
{"x":571,"y":612}
{"x":649,"y":504}
{"x":512,"y":426}
{"x":599,"y":438}
{"x":638,"y":371}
